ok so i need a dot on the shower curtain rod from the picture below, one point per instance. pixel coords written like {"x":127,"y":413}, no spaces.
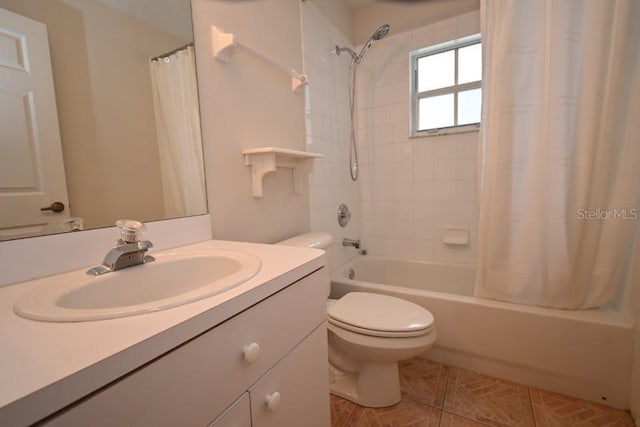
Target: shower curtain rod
{"x":171,"y":52}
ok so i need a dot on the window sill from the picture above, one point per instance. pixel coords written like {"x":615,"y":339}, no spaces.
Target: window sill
{"x":446,"y":131}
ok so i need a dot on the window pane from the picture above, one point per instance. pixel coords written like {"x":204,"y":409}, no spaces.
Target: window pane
{"x":470,"y":64}
{"x":435,"y":112}
{"x":436,"y":71}
{"x":469,"y":104}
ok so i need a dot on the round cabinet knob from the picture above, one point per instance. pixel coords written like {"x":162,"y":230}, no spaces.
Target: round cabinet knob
{"x":273,"y":401}
{"x":251,"y":352}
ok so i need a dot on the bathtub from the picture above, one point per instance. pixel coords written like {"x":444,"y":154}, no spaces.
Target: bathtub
{"x":585,"y":354}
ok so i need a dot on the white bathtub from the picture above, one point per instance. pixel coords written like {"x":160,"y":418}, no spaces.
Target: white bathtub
{"x":586,"y":354}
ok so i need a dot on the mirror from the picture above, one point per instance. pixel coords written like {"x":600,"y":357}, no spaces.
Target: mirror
{"x":99,"y":115}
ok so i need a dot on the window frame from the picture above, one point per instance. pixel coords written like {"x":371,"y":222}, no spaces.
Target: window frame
{"x":414,"y":56}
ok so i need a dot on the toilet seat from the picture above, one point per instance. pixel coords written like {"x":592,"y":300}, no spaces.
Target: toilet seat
{"x":381,"y":334}
{"x":380,"y":316}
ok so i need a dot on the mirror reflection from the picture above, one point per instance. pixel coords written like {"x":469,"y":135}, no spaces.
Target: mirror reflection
{"x":99,"y":114}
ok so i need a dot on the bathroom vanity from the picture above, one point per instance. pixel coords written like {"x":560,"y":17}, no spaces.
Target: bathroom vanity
{"x":253,"y":355}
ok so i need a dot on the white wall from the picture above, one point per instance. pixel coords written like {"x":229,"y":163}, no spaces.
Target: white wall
{"x":27,"y":259}
{"x":248,"y":103}
{"x":412,"y":188}
{"x":404,"y":16}
{"x":327,"y":127}
{"x":339,"y":14}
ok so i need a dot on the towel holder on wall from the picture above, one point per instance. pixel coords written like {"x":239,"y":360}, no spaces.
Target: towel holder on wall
{"x":223,"y":45}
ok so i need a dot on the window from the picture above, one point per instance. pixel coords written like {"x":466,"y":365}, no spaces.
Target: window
{"x":446,"y":87}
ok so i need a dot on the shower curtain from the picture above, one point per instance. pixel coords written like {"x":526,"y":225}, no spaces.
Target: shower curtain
{"x":560,"y":150}
{"x":175,"y":97}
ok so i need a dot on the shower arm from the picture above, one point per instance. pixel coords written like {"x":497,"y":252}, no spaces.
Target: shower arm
{"x":354,"y":56}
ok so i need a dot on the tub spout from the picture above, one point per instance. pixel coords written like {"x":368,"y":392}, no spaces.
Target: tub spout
{"x":351,"y":242}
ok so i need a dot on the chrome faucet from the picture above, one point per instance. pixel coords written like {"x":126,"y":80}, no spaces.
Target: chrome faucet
{"x":351,"y":242}
{"x":129,"y":250}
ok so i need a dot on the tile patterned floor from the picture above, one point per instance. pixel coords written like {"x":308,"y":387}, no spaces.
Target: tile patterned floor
{"x":438,"y":395}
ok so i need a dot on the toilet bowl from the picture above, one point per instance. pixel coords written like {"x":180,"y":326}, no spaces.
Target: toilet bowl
{"x":368,"y":335}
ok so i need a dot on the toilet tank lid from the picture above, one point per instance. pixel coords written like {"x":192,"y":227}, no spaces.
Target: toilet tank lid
{"x":309,"y":240}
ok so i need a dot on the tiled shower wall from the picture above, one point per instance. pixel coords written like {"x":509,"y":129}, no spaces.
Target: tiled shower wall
{"x":410,"y":189}
{"x":327,"y":127}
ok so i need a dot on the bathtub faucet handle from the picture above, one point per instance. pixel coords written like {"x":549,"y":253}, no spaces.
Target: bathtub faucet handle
{"x":351,"y":242}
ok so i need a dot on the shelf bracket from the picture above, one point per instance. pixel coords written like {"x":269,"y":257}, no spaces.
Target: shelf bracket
{"x":265,"y":160}
{"x":224,"y":44}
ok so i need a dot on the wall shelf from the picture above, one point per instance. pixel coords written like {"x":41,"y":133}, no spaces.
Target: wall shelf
{"x":266,"y":159}
{"x":223,"y":44}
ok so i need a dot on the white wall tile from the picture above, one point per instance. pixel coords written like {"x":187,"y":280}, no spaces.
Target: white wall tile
{"x":444,"y":169}
{"x":401,"y":133}
{"x":381,"y":134}
{"x":469,"y":23}
{"x":444,"y":190}
{"x":423,"y":171}
{"x":445,"y":147}
{"x":423,"y":191}
{"x":423,"y":149}
{"x":423,"y":249}
{"x":424,"y":229}
{"x":446,"y":30}
{"x":467,"y":144}
{"x":410,"y":188}
{"x":422,"y":37}
{"x":466,"y":168}
{"x":328,"y":123}
{"x":423,"y":210}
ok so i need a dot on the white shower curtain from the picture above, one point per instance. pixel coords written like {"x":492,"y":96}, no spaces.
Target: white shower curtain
{"x":175,"y":96}
{"x":560,"y":150}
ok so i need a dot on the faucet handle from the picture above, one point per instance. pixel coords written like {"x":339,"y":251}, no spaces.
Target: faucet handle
{"x":130,"y":230}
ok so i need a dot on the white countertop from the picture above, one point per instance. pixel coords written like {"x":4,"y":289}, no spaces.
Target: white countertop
{"x":45,"y":366}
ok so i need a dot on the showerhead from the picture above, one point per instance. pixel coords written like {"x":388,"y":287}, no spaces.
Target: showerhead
{"x":382,"y":31}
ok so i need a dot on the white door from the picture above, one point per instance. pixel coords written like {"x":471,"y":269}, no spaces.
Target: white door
{"x":31,"y":167}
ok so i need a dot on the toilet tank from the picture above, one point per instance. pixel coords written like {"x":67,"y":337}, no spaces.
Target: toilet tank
{"x":313,"y":240}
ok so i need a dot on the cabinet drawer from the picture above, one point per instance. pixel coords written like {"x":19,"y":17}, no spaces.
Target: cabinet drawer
{"x":195,"y":382}
{"x":238,"y":415}
{"x":303,"y":392}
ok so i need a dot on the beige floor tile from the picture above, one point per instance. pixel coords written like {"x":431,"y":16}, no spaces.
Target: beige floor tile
{"x":424,"y":381}
{"x":407,"y":413}
{"x":341,"y":410}
{"x":452,"y":420}
{"x":556,"y":410}
{"x":487,"y":400}
{"x":470,"y":399}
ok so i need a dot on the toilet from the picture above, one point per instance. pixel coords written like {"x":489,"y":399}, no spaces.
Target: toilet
{"x":368,"y":335}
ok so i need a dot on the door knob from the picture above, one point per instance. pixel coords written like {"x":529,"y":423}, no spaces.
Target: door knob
{"x":55,"y":207}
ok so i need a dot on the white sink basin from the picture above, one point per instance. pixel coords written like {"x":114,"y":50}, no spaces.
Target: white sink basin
{"x":175,"y":278}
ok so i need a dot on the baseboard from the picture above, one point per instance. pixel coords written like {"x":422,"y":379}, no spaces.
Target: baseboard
{"x":580,"y":388}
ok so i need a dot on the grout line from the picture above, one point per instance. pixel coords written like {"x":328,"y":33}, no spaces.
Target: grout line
{"x":418,"y":401}
{"x":533,"y":413}
{"x":347,"y":421}
{"x":446,"y":386}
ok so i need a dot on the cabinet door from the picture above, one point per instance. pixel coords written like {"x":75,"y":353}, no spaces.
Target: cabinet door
{"x":295,"y":392}
{"x":238,"y":415}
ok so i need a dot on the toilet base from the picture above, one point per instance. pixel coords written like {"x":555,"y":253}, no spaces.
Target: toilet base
{"x":375,"y":385}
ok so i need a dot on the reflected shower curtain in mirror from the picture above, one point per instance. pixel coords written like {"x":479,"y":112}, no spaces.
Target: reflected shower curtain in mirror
{"x":175,"y":96}
{"x":560,"y":150}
